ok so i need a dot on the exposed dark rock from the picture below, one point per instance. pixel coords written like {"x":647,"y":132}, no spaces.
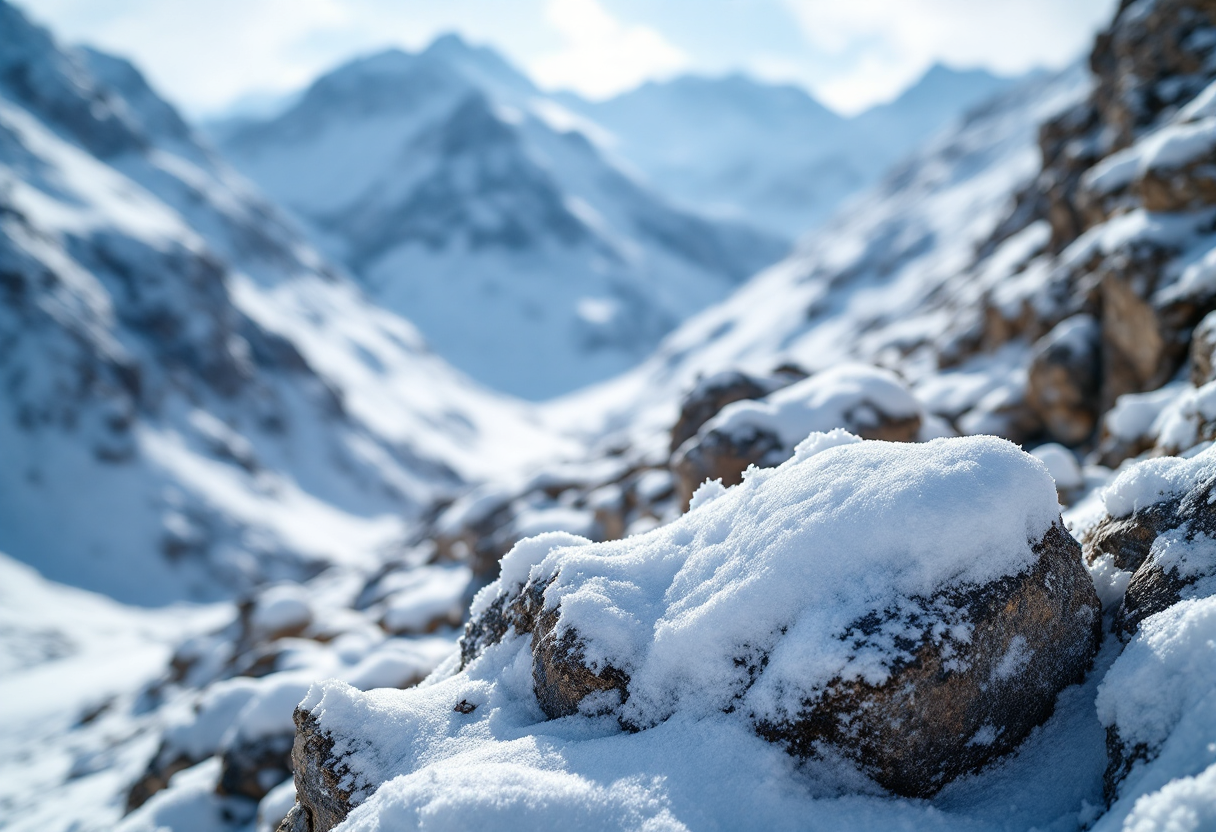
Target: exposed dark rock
{"x":560,"y":676}
{"x":1120,"y":758}
{"x":1129,"y":542}
{"x":161,"y":767}
{"x":958,"y":705}
{"x":710,"y":396}
{"x":251,"y":768}
{"x":717,"y":455}
{"x":1063,"y":380}
{"x":1203,"y":351}
{"x":321,"y":801}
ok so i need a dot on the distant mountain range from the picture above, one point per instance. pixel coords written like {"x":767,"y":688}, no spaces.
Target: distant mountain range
{"x":770,"y":154}
{"x":543,"y":242}
{"x":474,"y":205}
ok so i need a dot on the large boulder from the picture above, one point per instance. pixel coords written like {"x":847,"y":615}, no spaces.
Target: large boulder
{"x":868,"y":401}
{"x":1157,"y":538}
{"x":778,"y":600}
{"x":1064,"y":379}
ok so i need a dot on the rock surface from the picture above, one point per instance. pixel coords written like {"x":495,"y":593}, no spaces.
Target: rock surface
{"x":958,"y":705}
{"x":1064,"y":378}
{"x":321,"y":800}
{"x":1166,"y":540}
{"x":867,"y":401}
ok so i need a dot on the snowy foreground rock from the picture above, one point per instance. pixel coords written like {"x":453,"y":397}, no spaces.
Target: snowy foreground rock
{"x":902,"y":612}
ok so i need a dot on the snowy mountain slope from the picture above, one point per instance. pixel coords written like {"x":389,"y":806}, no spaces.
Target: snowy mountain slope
{"x":208,"y":401}
{"x":886,"y":281}
{"x":771,"y":155}
{"x":474,"y":206}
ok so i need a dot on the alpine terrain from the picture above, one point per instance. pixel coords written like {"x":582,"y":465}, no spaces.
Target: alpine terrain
{"x":913,"y":528}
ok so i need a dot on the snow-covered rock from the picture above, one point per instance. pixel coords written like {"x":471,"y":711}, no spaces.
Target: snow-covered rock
{"x":772,"y":608}
{"x":1158,"y":703}
{"x":870,"y":402}
{"x":1159,"y":535}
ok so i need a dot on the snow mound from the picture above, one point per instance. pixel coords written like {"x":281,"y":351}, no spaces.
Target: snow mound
{"x":1157,"y":480}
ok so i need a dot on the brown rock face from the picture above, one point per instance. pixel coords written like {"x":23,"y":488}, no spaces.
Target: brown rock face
{"x":560,"y":676}
{"x":714,"y":454}
{"x":1064,"y":378}
{"x":958,"y":705}
{"x":1129,"y":541}
{"x":1203,"y":351}
{"x":717,"y":455}
{"x":321,"y":801}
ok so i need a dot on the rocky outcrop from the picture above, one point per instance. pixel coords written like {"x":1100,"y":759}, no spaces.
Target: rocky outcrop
{"x":709,"y":396}
{"x":1141,"y":144}
{"x":1064,"y":378}
{"x":1203,"y":351}
{"x":960,"y":704}
{"x":252,"y":767}
{"x":560,"y":676}
{"x":322,"y":801}
{"x":1167,"y":546}
{"x":717,"y":455}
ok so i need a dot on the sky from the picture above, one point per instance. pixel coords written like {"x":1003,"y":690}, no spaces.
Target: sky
{"x":206,"y":55}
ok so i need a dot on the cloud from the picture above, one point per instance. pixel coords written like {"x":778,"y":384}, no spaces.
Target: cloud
{"x":602,"y":56}
{"x":871,"y":49}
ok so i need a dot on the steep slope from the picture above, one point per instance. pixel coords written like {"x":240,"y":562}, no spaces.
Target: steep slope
{"x":208,"y":402}
{"x":886,"y":281}
{"x":770,"y":154}
{"x":474,"y":206}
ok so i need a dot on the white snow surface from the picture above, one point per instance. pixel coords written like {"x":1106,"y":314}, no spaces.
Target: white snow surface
{"x":475,"y":205}
{"x":1161,"y":693}
{"x":1156,"y":480}
{"x":210,"y":402}
{"x":784,"y":563}
{"x":852,"y":395}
